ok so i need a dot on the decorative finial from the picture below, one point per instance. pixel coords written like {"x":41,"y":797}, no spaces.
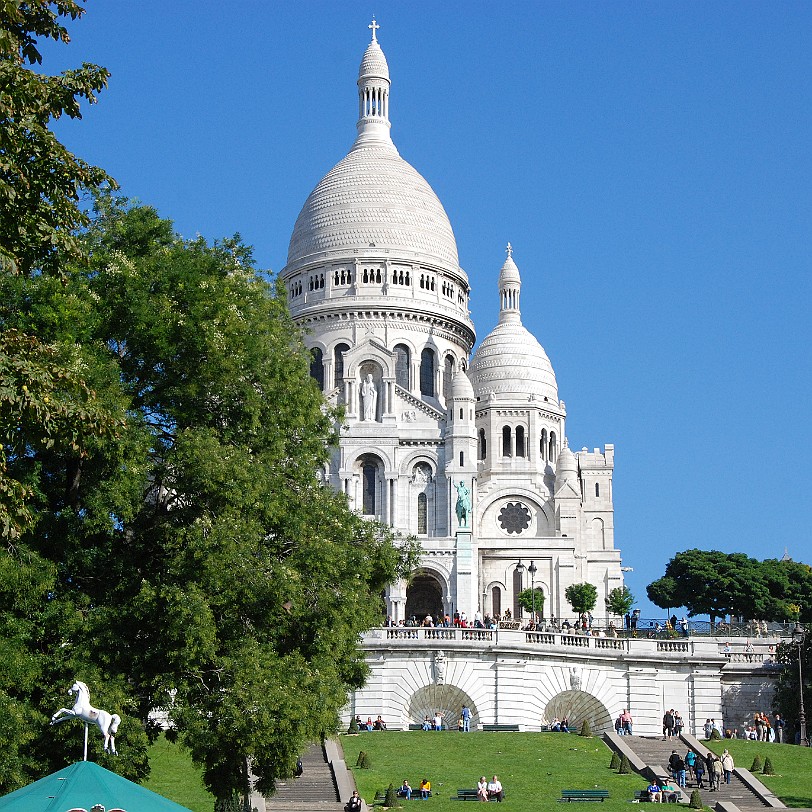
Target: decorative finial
{"x":374,"y":26}
{"x":509,"y":250}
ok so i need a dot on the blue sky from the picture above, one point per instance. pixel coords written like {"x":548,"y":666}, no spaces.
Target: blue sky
{"x":649,"y":162}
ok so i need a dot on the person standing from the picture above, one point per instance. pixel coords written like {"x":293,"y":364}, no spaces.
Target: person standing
{"x":779,"y":726}
{"x":727,"y":765}
{"x":626,"y":722}
{"x":668,"y":724}
{"x":466,"y":719}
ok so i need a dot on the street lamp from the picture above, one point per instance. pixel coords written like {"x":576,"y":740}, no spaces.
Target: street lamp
{"x":533,"y":570}
{"x":798,"y":637}
{"x":520,"y":570}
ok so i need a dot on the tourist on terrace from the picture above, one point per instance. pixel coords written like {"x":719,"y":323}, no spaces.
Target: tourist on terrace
{"x":708,"y":728}
{"x":727,"y":765}
{"x":778,"y":727}
{"x":379,"y":724}
{"x":668,"y":724}
{"x":626,"y":722}
{"x":427,"y":725}
{"x":438,"y":720}
{"x":699,"y":770}
{"x":495,"y":789}
{"x":565,"y":725}
{"x":482,"y":789}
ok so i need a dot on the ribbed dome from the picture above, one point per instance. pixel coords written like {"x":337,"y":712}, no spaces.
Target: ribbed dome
{"x":373,"y":63}
{"x":509,"y":273}
{"x":461,"y":388}
{"x":566,"y":466}
{"x":373,"y":198}
{"x":511,"y":361}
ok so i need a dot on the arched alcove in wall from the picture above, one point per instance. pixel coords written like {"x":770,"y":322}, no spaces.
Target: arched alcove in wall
{"x":575,"y":706}
{"x":424,"y":596}
{"x":445,"y":699}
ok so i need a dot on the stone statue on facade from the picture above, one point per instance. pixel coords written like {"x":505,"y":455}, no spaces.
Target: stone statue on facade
{"x":82,"y":709}
{"x":369,"y":397}
{"x":463,"y":504}
{"x":439,"y":667}
{"x":575,"y":679}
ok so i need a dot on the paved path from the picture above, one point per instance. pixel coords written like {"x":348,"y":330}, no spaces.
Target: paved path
{"x":313,"y":791}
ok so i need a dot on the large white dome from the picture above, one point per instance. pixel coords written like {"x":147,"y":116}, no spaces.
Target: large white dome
{"x":373,"y":198}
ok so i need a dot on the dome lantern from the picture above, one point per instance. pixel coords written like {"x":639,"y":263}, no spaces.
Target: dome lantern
{"x":510,"y":286}
{"x":373,"y":93}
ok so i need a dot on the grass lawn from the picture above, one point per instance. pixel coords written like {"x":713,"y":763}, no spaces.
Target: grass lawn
{"x":533,"y":767}
{"x":792,"y":781}
{"x":175,"y":777}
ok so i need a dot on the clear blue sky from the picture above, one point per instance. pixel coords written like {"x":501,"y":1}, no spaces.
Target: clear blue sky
{"x":649,"y":162}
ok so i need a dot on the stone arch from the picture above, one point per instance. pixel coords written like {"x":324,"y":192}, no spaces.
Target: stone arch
{"x":447,"y":699}
{"x":370,"y":497}
{"x":578,"y":706}
{"x":598,"y":533}
{"x":424,"y":596}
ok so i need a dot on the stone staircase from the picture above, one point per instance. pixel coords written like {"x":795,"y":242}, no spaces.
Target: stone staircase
{"x":655,"y":753}
{"x":313,"y":791}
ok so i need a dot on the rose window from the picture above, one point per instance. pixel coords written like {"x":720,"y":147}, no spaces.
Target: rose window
{"x":514,"y":517}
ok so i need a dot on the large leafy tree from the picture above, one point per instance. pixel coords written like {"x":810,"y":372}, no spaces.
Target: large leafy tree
{"x":717,"y":584}
{"x":207,"y":561}
{"x":43,"y":396}
{"x":530,"y":599}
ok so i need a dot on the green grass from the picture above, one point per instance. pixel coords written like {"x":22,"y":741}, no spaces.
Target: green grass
{"x":533,"y":767}
{"x":792,"y":781}
{"x":175,"y":777}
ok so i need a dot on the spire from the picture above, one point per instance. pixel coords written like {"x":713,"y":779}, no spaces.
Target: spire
{"x":510,"y":285}
{"x":373,"y":93}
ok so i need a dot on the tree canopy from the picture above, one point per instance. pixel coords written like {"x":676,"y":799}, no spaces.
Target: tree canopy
{"x":620,"y":601}
{"x":532,"y":598}
{"x":717,"y":584}
{"x":193,"y":549}
{"x":581,"y":597}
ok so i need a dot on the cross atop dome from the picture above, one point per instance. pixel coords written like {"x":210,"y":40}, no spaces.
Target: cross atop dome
{"x":374,"y":26}
{"x":509,"y":250}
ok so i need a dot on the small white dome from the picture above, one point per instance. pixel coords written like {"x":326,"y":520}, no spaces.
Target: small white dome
{"x":511,"y":361}
{"x":461,"y":388}
{"x":566,"y":467}
{"x":373,"y":64}
{"x":509,"y":275}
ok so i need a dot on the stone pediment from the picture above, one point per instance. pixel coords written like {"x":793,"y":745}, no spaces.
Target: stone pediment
{"x":568,"y":491}
{"x":407,"y":403}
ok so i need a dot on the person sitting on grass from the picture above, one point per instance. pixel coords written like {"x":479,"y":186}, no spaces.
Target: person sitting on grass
{"x":482,"y":789}
{"x":355,"y":803}
{"x":425,"y":789}
{"x":405,"y":790}
{"x":655,"y":795}
{"x":495,"y":789}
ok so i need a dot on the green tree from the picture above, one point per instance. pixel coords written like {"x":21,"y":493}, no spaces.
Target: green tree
{"x":527,"y":600}
{"x":620,"y":601}
{"x":42,"y":391}
{"x":581,"y":597}
{"x":196,"y":552}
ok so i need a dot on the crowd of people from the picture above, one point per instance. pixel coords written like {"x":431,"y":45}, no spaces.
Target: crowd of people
{"x":672,"y":724}
{"x":708,"y":772}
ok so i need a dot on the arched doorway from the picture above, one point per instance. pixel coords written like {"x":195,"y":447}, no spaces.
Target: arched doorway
{"x":447,"y":699}
{"x":576,"y":706}
{"x":424,"y":596}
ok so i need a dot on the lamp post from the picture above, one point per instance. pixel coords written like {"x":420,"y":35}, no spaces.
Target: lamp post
{"x":520,"y":570}
{"x":532,"y":570}
{"x":798,"y":637}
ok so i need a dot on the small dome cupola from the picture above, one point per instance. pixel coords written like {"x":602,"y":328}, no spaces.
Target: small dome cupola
{"x":566,"y":467}
{"x":510,"y":286}
{"x":373,"y":93}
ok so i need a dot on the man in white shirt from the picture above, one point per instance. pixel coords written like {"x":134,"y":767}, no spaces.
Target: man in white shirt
{"x":495,"y":789}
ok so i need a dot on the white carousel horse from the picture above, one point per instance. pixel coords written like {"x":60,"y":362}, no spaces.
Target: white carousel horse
{"x":82,"y":709}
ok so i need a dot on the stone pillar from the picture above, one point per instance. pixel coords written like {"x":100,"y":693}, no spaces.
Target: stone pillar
{"x":466,"y":581}
{"x":644,"y":697}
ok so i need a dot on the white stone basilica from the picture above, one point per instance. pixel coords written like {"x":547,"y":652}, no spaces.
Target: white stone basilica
{"x":373,"y":275}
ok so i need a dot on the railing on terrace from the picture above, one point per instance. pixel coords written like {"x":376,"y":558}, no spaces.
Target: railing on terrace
{"x":735,"y":651}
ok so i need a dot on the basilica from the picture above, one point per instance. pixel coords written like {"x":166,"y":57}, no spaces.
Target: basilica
{"x":467,"y":452}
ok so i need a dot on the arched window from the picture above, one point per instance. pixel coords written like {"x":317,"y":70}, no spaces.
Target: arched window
{"x":483,"y":445}
{"x":422,"y":514}
{"x":462,"y":458}
{"x":552,"y":452}
{"x":543,"y":444}
{"x":427,"y":373}
{"x":402,"y":363}
{"x":507,"y":441}
{"x":370,"y":477}
{"x":520,"y":452}
{"x":598,"y":490}
{"x":496,"y":602}
{"x":338,"y":363}
{"x":317,"y":366}
{"x":448,"y":374}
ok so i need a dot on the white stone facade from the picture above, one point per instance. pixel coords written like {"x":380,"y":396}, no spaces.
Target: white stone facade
{"x":374,"y":276}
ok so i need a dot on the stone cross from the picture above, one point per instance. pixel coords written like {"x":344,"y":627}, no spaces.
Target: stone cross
{"x":374,"y":26}
{"x":509,"y":250}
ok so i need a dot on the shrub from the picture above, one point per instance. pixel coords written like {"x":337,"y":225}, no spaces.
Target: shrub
{"x":756,"y":766}
{"x":615,"y":763}
{"x":363,"y":761}
{"x":625,"y":768}
{"x":391,"y":797}
{"x":715,"y":735}
{"x":768,"y":767}
{"x":353,"y":728}
{"x":586,"y":729}
{"x":696,"y":800}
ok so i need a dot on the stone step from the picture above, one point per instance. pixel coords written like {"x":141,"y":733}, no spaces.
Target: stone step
{"x":314,"y":788}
